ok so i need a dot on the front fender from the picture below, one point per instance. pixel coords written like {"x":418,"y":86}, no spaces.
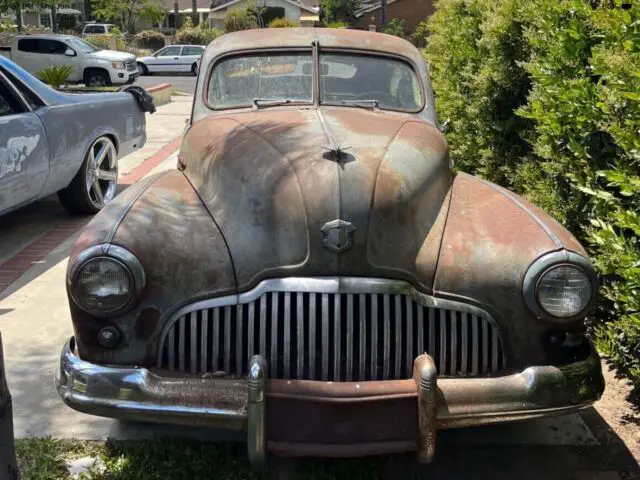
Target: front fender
{"x":491,"y":238}
{"x":184,"y":256}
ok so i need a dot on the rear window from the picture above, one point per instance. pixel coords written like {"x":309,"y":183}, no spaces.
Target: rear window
{"x":94,"y":29}
{"x":392,"y":83}
{"x":237,"y":81}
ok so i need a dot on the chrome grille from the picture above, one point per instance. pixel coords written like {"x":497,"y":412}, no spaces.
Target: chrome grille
{"x":131,"y":65}
{"x":333,"y":337}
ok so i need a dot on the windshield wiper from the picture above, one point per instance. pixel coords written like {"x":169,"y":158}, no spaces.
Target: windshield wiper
{"x":270,"y":102}
{"x":361,"y":103}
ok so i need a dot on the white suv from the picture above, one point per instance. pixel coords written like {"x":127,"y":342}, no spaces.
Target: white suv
{"x":98,"y":29}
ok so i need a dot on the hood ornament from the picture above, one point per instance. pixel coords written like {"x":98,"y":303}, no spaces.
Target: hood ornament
{"x":337,"y":235}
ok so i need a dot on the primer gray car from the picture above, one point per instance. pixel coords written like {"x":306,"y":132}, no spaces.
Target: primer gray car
{"x":60,"y":142}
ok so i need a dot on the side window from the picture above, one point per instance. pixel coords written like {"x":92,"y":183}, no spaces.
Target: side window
{"x":29,"y":45}
{"x":94,"y":29}
{"x":171,"y":51}
{"x":9,"y":105}
{"x":192,"y":51}
{"x":52,"y":47}
{"x":33,"y":101}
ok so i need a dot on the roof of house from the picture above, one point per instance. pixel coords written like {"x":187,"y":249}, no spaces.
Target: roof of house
{"x":370,"y":7}
{"x":216,"y":6}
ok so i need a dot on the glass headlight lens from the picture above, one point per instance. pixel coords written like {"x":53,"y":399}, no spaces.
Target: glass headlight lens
{"x":564,"y":291}
{"x":118,"y":65}
{"x":103,"y":285}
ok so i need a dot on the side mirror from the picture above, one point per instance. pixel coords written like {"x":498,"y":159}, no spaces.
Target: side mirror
{"x":69,"y":53}
{"x":443,"y":127}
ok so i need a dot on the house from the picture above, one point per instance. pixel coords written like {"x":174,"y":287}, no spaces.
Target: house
{"x":412,"y":11}
{"x":302,"y":13}
{"x":68,"y":15}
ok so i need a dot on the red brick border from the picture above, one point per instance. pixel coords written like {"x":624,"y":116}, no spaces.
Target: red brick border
{"x":17,"y":265}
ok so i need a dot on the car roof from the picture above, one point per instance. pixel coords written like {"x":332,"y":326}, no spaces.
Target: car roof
{"x":49,"y":36}
{"x":303,"y":37}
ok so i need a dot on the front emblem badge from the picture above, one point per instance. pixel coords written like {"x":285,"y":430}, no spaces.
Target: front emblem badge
{"x":337,"y":235}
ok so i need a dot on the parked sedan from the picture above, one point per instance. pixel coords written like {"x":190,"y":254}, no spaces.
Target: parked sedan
{"x":315,"y":273}
{"x":59,"y":142}
{"x":172,"y":59}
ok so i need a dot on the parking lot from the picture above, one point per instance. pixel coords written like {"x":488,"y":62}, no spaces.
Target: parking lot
{"x":34,"y":320}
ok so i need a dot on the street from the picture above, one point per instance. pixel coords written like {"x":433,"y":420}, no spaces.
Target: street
{"x":184,"y":83}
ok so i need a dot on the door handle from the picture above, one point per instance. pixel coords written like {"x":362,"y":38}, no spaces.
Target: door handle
{"x":176,"y":58}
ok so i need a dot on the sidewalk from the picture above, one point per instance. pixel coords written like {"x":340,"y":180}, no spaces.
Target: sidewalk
{"x":34,"y":311}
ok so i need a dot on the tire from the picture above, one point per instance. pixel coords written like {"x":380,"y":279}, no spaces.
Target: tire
{"x":142,"y":68}
{"x":95,"y":77}
{"x":95,"y":183}
{"x":194,"y":69}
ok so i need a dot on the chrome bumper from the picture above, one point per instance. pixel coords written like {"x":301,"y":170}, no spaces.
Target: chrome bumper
{"x":140,"y":395}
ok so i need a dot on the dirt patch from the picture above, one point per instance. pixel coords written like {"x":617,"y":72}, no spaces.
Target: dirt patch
{"x":620,"y":410}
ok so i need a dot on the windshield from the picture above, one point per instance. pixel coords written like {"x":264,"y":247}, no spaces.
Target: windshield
{"x":256,"y":79}
{"x":366,"y":81}
{"x":81,"y":46}
{"x":383,"y":82}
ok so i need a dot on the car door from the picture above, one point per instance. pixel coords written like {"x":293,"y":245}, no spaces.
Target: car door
{"x":26,"y":54}
{"x":188,"y":57}
{"x":56,"y":54}
{"x":24,"y":154}
{"x":167,"y":60}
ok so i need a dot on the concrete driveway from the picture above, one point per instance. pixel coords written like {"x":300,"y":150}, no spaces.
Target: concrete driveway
{"x":35,"y":322}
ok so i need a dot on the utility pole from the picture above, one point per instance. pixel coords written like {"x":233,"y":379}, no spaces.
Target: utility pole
{"x":8,"y":464}
{"x":87,"y":10}
{"x":18,"y":10}
{"x":176,"y":14}
{"x":383,"y":14}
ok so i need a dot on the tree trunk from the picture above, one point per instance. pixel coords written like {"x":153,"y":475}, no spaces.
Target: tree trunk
{"x":194,"y":9}
{"x":176,"y":15}
{"x":87,"y":10}
{"x":19,"y":16}
{"x":54,"y":18}
{"x":383,"y":14}
{"x":8,"y":465}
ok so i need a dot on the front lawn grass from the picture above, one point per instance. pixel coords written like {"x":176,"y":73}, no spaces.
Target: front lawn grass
{"x":46,"y":458}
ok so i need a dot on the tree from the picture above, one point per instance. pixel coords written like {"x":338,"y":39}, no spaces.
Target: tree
{"x":125,"y":11}
{"x":237,"y":20}
{"x":396,"y":27}
{"x":194,"y":12}
{"x":339,"y":10}
{"x":16,"y":7}
{"x":154,"y":13}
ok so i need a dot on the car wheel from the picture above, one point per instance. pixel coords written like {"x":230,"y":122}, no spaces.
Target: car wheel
{"x":142,"y":69}
{"x":97,"y":78}
{"x":194,"y":69}
{"x":95,"y":183}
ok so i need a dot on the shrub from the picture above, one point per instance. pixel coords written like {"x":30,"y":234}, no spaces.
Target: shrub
{"x":419,"y":35}
{"x":543,"y":98}
{"x":150,"y":39}
{"x":237,"y":20}
{"x":396,"y":27}
{"x":337,"y":25}
{"x":283,"y":23}
{"x":55,"y":76}
{"x":197,"y":36}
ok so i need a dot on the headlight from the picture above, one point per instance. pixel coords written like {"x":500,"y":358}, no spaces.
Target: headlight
{"x":106,"y":280}
{"x":560,"y":286}
{"x":564,"y":291}
{"x":118,"y":65}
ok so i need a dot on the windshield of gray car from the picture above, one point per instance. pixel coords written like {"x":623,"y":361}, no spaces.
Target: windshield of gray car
{"x":261,"y":79}
{"x":361,"y":80}
{"x":80,"y":46}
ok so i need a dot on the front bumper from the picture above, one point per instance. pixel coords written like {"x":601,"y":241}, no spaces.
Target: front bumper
{"x":120,"y":77}
{"x":310,"y":418}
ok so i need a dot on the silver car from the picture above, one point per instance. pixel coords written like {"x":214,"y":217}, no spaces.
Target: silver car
{"x":59,"y":142}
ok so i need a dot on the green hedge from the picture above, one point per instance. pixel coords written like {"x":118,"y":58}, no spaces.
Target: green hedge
{"x":543,"y":97}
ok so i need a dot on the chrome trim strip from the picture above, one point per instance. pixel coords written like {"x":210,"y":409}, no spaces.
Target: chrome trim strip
{"x":239,"y":349}
{"x":181,"y":344}
{"x":465,"y":344}
{"x":215,"y":340}
{"x":337,"y":349}
{"x":410,"y":354}
{"x":274,"y":333}
{"x":442,"y":364}
{"x":194,"y":347}
{"x":325,"y":336}
{"x":350,"y":312}
{"x":374,"y":335}
{"x":300,"y":331}
{"x":203,"y":341}
{"x":312,"y":335}
{"x":387,"y":336}
{"x":454,"y":342}
{"x":485,"y":346}
{"x":474,"y":345}
{"x":287,"y":335}
{"x":398,"y":322}
{"x":363,"y":337}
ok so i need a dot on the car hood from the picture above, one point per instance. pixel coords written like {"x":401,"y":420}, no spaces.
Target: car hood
{"x":112,"y":55}
{"x":145,"y":59}
{"x":288,"y":203}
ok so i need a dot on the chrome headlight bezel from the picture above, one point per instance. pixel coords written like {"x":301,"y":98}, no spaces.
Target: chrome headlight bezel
{"x":116,"y":254}
{"x":547,"y":263}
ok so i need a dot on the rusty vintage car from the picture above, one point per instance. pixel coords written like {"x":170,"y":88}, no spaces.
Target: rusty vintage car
{"x":315,"y":273}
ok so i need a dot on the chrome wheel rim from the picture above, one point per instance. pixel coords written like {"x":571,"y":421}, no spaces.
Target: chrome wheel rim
{"x":102,"y":172}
